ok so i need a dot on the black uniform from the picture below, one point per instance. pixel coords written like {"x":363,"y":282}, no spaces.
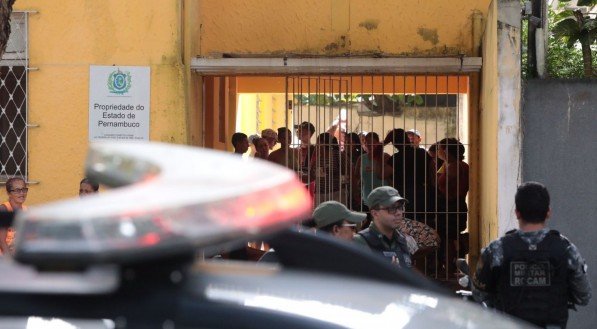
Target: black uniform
{"x":534,"y":276}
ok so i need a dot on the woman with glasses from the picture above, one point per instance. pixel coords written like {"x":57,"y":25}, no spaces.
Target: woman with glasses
{"x":17,"y":189}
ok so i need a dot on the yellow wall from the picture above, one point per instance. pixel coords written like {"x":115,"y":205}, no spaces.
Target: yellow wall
{"x":65,"y":38}
{"x":191,"y":27}
{"x":488,"y":129}
{"x":270,"y":107}
{"x":333,"y":27}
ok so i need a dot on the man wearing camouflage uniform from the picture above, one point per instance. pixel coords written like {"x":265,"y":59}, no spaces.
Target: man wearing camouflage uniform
{"x":387,"y":209}
{"x":533,"y":273}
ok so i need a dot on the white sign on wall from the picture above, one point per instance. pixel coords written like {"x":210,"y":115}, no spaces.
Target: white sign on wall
{"x":119,"y":103}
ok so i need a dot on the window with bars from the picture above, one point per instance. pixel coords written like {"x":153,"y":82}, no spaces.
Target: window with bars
{"x":13,"y":101}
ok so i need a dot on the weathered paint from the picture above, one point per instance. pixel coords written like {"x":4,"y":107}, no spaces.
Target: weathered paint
{"x":65,"y":38}
{"x":509,"y":133}
{"x":428,"y":35}
{"x":191,"y":32}
{"x":488,"y":119}
{"x":335,"y":27}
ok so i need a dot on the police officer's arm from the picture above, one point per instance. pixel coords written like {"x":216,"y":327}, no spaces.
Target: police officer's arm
{"x":580,"y":288}
{"x":484,"y":280}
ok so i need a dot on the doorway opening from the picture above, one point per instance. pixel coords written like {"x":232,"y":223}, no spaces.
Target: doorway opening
{"x":348,"y":119}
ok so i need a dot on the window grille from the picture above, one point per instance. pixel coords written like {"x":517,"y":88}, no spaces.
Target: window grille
{"x":14,"y":67}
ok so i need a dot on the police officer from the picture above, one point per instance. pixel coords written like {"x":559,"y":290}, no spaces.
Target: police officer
{"x":334,"y":218}
{"x":533,"y":273}
{"x":387,"y":209}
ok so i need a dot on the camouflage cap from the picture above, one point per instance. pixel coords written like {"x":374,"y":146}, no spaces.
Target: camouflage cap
{"x":330,"y":212}
{"x":383,"y":196}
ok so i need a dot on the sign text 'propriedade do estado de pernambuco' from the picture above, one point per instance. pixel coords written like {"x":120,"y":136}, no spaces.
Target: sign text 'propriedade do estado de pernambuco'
{"x":119,"y":103}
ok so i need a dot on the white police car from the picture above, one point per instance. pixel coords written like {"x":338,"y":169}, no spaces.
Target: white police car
{"x":138,"y":255}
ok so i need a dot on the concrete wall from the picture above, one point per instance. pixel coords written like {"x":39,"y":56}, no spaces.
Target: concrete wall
{"x":499,"y":120}
{"x":334,"y":27}
{"x":65,"y":38}
{"x":508,"y":124}
{"x":559,"y":150}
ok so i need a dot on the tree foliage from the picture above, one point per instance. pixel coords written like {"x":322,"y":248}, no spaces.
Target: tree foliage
{"x":570,"y":29}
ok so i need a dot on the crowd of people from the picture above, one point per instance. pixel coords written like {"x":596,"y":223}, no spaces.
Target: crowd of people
{"x":16,"y":191}
{"x":346,"y":168}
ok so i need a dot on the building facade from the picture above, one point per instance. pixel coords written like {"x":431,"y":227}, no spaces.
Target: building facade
{"x":202,"y":54}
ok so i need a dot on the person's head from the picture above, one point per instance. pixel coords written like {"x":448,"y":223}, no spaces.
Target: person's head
{"x":17,"y":189}
{"x":397,"y":137}
{"x":371,"y":141}
{"x":450,"y":149}
{"x":86,"y":186}
{"x":324,"y":139}
{"x":432,"y":151}
{"x":353,"y":140}
{"x":414,"y":136}
{"x":386,"y":206}
{"x":240,"y":142}
{"x":304,"y":131}
{"x":334,"y":218}
{"x":353,"y":144}
{"x":270,"y":136}
{"x":261,"y":148}
{"x":532,"y":202}
{"x":362,"y":135}
{"x":284,"y":136}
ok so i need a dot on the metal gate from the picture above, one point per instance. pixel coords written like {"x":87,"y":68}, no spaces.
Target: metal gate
{"x":354,"y":133}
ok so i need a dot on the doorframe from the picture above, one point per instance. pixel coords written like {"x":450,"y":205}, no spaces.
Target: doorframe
{"x":470,"y":66}
{"x":338,"y":65}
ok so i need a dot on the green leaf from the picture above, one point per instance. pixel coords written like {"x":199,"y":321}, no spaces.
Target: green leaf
{"x":419,"y":100}
{"x":566,"y":28}
{"x":562,"y":15}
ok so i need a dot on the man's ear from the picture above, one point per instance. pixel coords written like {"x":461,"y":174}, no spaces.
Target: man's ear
{"x":548,"y":213}
{"x":518,"y":215}
{"x":335,"y":229}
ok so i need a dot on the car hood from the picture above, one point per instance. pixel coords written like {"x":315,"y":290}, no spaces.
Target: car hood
{"x":344,"y":301}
